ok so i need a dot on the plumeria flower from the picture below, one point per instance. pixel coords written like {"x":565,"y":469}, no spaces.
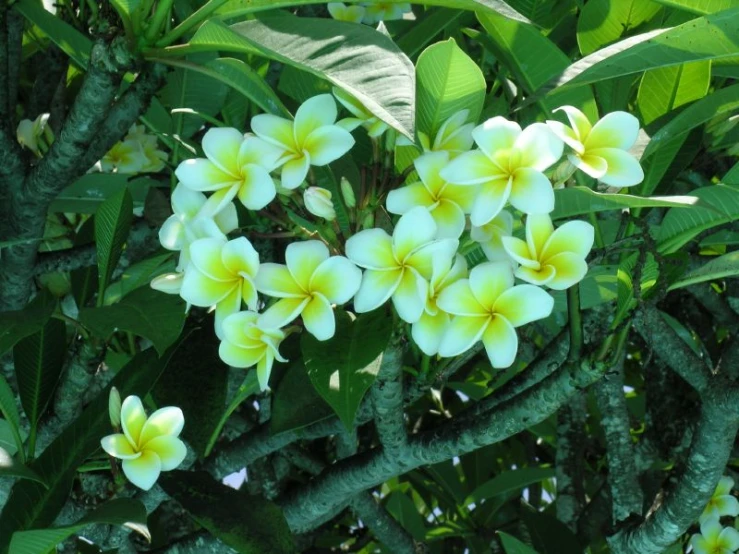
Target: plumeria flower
{"x":248,"y":342}
{"x":454,"y":135}
{"x":342,"y":12}
{"x":125,"y":157}
{"x":488,"y":307}
{"x":428,"y":331}
{"x":235,"y":166}
{"x":221,"y":273}
{"x":447,"y":203}
{"x":399,"y":266}
{"x":374,"y":125}
{"x":312,"y":139}
{"x":29,"y":132}
{"x":722,"y":503}
{"x":384,"y":11}
{"x":155,"y":157}
{"x":508,"y":167}
{"x":147,"y":446}
{"x":308,"y":285}
{"x":190,"y":221}
{"x":490,"y":236}
{"x":600,"y":150}
{"x":318,"y":202}
{"x":715,"y":539}
{"x":548,"y":257}
{"x":168,"y":283}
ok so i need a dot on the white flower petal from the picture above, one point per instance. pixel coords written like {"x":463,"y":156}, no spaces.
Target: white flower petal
{"x":203,"y":175}
{"x":594,"y":166}
{"x":221,"y":146}
{"x":327,"y":144}
{"x":623,"y":169}
{"x":614,"y":130}
{"x":471,"y":168}
{"x":337,"y":279}
{"x":429,"y":331}
{"x":318,"y":317}
{"x":574,"y":236}
{"x":489,"y":280}
{"x":236,"y":356}
{"x":462,"y":333}
{"x":303,"y":258}
{"x":257,"y":188}
{"x":186,"y":202}
{"x":496,"y":134}
{"x":538,"y":230}
{"x":404,"y":199}
{"x":568,"y":268}
{"x":206,"y":257}
{"x":413,"y":230}
{"x":133,"y":418}
{"x":315,"y":112}
{"x":532,"y":193}
{"x":240,"y":258}
{"x":539,"y":147}
{"x":200,"y":290}
{"x":376,"y":288}
{"x":579,"y":121}
{"x":119,"y":447}
{"x":501,"y":342}
{"x":371,"y":249}
{"x":295,"y":171}
{"x":276,"y":280}
{"x":490,"y":200}
{"x":458,"y":299}
{"x":172,"y":233}
{"x":144,"y":470}
{"x":277,"y":131}
{"x":282,"y":312}
{"x":170,"y":450}
{"x":410,"y":296}
{"x":523,"y":304}
{"x":255,"y":150}
{"x":167,"y":421}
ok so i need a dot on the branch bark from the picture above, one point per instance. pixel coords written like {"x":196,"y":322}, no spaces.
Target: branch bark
{"x":569,"y":463}
{"x":387,"y":398}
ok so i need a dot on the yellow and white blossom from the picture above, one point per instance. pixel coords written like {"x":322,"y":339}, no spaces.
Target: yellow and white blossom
{"x":147,"y":446}
{"x":341,"y":12}
{"x":155,"y":157}
{"x":168,"y":283}
{"x":29,"y":132}
{"x":601,"y":150}
{"x":384,"y":11}
{"x":374,"y":125}
{"x":126,"y":156}
{"x":308,"y":285}
{"x":488,"y":307}
{"x":447,"y":203}
{"x":191,"y":221}
{"x":555,"y":258}
{"x":453,"y":136}
{"x":430,"y":329}
{"x":313,"y":138}
{"x":399,"y":266}
{"x":715,"y":539}
{"x":490,"y":236}
{"x":221,"y":273}
{"x":318,"y":202}
{"x":235,"y":166}
{"x":247,"y":342}
{"x":722,"y":503}
{"x":507,"y":167}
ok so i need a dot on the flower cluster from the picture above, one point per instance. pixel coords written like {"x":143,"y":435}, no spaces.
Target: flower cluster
{"x":138,"y":152}
{"x":419,"y":264}
{"x":368,"y":12}
{"x":714,"y":538}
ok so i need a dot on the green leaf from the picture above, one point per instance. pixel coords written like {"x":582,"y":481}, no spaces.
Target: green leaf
{"x":648,"y":273}
{"x":426,"y":28}
{"x":732,"y":176}
{"x":377,"y":73}
{"x":662,"y":90}
{"x":549,"y":535}
{"x":86,"y":194}
{"x":680,"y":226}
{"x":602,"y":22}
{"x":31,"y":505}
{"x":138,"y":275}
{"x":20,"y":323}
{"x":534,"y":60}
{"x":112,"y":224}
{"x":73,"y":43}
{"x":121,"y":511}
{"x":574,"y":201}
{"x":248,"y":388}
{"x":700,"y":7}
{"x":705,"y":38}
{"x":720,"y":102}
{"x":402,"y":508}
{"x":248,"y":524}
{"x":38,"y":361}
{"x":512,"y":545}
{"x":509,"y":481}
{"x":145,"y":312}
{"x":344,"y":367}
{"x":7,"y":403}
{"x":182,"y":385}
{"x":296,"y":404}
{"x":11,"y":468}
{"x":447,"y":81}
{"x":718,"y":268}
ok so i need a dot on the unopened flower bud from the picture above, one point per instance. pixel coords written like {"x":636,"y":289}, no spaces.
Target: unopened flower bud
{"x":318,"y":202}
{"x":348,"y":193}
{"x":114,"y":408}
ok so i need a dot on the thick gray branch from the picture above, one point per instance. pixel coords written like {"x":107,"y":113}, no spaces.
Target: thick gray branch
{"x":387,"y":398}
{"x":569,"y":460}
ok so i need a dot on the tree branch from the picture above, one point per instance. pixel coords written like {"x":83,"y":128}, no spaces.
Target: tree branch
{"x":626,"y":492}
{"x":382,"y":524}
{"x":569,"y":463}
{"x":387,"y":398}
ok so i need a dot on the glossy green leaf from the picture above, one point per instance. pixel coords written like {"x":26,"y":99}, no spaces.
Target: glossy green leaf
{"x":86,"y":194}
{"x":662,"y":90}
{"x":296,"y":404}
{"x":31,"y":505}
{"x":534,"y":60}
{"x":509,"y":481}
{"x":602,"y":22}
{"x":126,"y":512}
{"x":144,"y":312}
{"x":139,"y":275}
{"x":18,"y":324}
{"x":402,"y":508}
{"x":8,"y":407}
{"x":447,"y":81}
{"x":573,"y":201}
{"x":248,"y":524}
{"x":10,"y":467}
{"x":112,"y":224}
{"x":549,"y":535}
{"x":732,"y":176}
{"x":344,"y":367}
{"x":722,"y":101}
{"x":680,"y":226}
{"x":714,"y":270}
{"x":512,"y":545}
{"x":377,"y":73}
{"x":433,"y":22}
{"x":38,"y":361}
{"x":700,"y":7}
{"x":8,"y":437}
{"x":630,"y":293}
{"x":73,"y":43}
{"x":706,"y":38}
{"x":248,"y":388}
